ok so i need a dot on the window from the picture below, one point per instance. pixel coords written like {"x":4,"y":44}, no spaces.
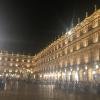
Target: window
{"x":85,"y":42}
{"x":95,"y":23}
{"x":66,"y":41}
{"x":17,"y":59}
{"x":78,"y":34}
{"x":95,"y":37}
{"x":86,"y":56}
{"x":77,"y":46}
{"x":71,"y":49}
{"x":85,"y":29}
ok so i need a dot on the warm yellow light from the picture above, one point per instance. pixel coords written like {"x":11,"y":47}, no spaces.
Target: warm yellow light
{"x":76,"y":76}
{"x":40,"y":75}
{"x":16,"y":65}
{"x":85,"y":67}
{"x":86,"y":59}
{"x":94,"y":72}
{"x":84,"y":73}
{"x":28,"y":60}
{"x":59,"y":74}
{"x":4,"y":70}
{"x":85,"y":29}
{"x":6,"y":75}
{"x":71,"y":49}
{"x":69,"y":73}
{"x":10,"y":70}
{"x":78,"y":34}
{"x":69,"y":33}
{"x":17,"y":59}
{"x":31,"y":72}
{"x":22,"y":60}
{"x":78,"y":46}
{"x":63,"y":74}
{"x":85,"y":42}
{"x":28,"y":65}
{"x":11,"y":59}
{"x":77,"y":68}
{"x":28,"y":70}
{"x":34,"y":76}
{"x":16,"y":70}
{"x":97,"y":66}
{"x":0,"y":58}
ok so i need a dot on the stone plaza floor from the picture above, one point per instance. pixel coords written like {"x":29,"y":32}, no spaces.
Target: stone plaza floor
{"x":30,"y":91}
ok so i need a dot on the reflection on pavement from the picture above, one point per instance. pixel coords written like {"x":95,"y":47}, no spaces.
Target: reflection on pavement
{"x":15,"y":90}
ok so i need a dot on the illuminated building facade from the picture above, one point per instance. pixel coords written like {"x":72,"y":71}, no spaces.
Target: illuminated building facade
{"x":75,"y":56}
{"x":15,"y":66}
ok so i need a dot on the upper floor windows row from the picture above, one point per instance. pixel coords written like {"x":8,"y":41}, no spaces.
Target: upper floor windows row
{"x":94,"y":38}
{"x":15,"y":60}
{"x":76,"y":34}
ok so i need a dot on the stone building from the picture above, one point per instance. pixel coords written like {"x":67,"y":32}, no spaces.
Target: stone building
{"x":15,"y":65}
{"x":75,"y":56}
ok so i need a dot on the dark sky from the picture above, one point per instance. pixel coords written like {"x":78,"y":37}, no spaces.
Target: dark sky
{"x":28,"y":27}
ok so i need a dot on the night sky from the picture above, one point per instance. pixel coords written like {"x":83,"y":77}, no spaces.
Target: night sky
{"x":29,"y":26}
